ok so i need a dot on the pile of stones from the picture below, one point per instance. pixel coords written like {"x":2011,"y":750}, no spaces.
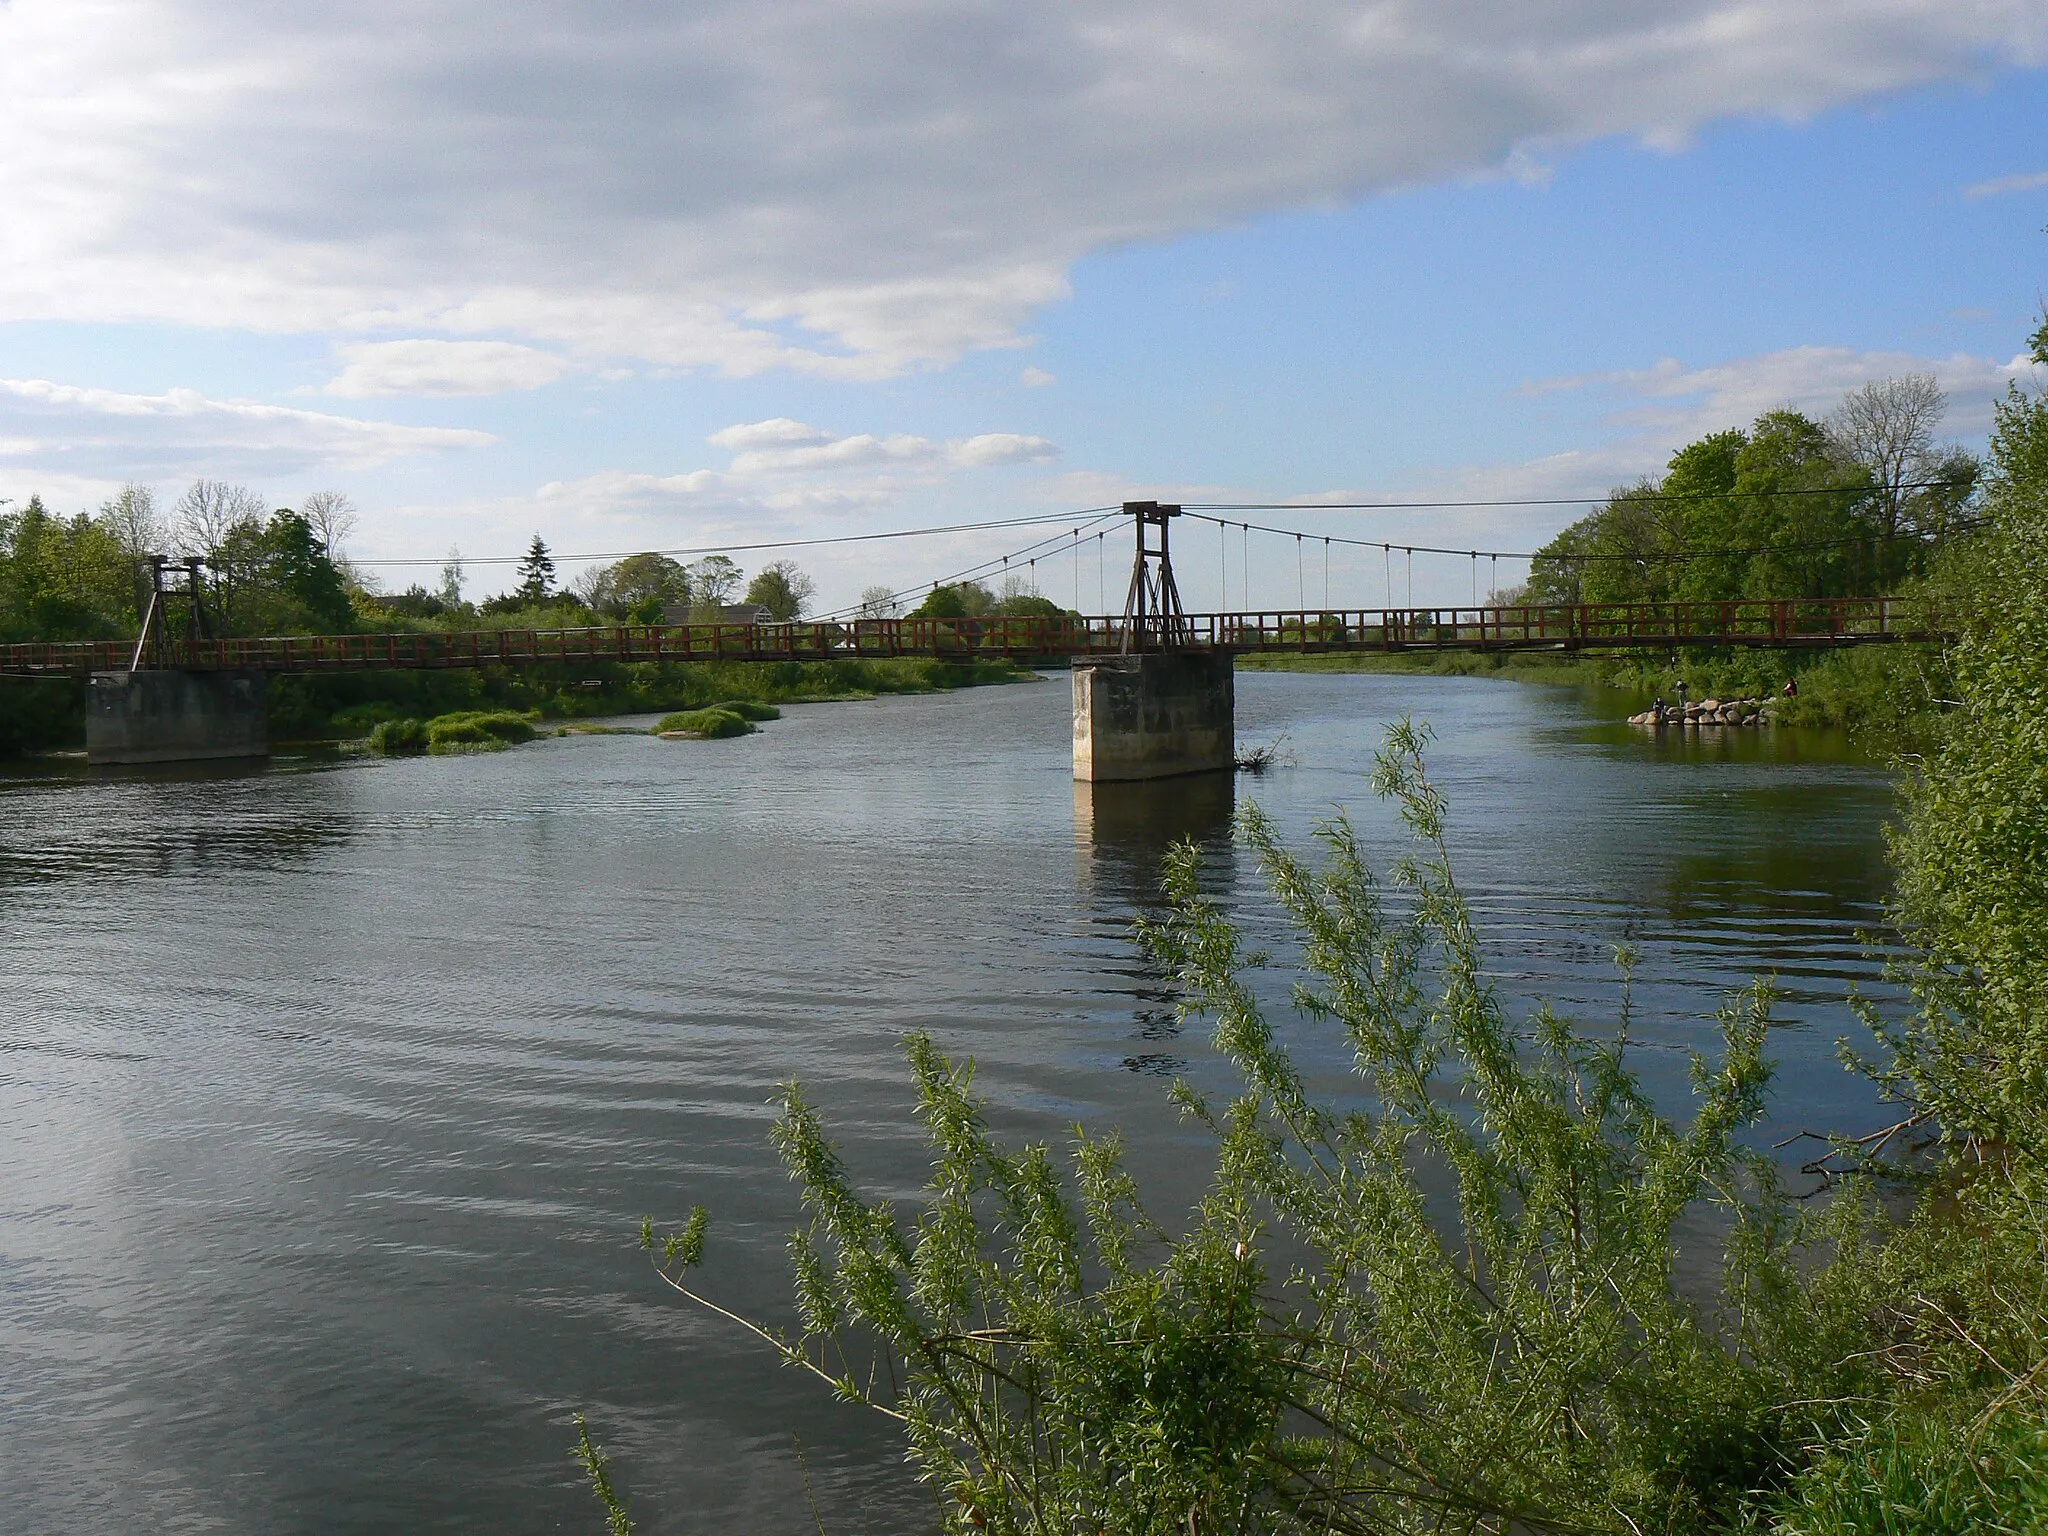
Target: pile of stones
{"x":1705,"y":712}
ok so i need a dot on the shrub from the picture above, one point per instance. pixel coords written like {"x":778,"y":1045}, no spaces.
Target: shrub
{"x":709,"y":723}
{"x":748,"y":709}
{"x":1330,"y":1345}
{"x":398,"y":738}
{"x":475,"y":730}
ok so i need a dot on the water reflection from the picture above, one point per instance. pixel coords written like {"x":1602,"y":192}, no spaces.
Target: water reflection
{"x":1122,"y":831}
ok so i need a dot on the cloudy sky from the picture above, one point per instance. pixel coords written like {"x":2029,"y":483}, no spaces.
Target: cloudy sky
{"x":640,"y":273}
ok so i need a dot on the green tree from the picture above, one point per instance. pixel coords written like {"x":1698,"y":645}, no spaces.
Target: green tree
{"x":536,"y":574}
{"x":782,"y":589}
{"x":63,"y":578}
{"x":714,"y":580}
{"x":640,"y":588}
{"x":303,"y":570}
{"x":1973,"y":849}
{"x":955,"y":600}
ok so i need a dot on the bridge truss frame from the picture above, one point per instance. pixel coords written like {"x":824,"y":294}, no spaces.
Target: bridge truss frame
{"x":1811,"y":624}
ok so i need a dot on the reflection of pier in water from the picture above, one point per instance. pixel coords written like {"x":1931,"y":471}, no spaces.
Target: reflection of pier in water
{"x":1121,"y":834}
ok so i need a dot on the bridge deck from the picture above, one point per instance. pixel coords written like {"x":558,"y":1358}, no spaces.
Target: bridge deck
{"x":1815,"y":623}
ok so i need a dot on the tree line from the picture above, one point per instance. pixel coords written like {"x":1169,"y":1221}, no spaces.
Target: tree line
{"x":1852,"y":506}
{"x":85,"y":577}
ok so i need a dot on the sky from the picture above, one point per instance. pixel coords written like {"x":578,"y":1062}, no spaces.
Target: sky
{"x":634,"y":274}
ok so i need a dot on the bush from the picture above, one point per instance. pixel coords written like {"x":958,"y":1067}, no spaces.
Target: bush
{"x":1330,"y":1344}
{"x":476,"y":730}
{"x":398,"y":738}
{"x":748,"y":709}
{"x":709,"y":723}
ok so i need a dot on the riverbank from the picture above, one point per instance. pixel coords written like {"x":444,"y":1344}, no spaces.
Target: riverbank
{"x":45,"y":715}
{"x":1892,"y":693}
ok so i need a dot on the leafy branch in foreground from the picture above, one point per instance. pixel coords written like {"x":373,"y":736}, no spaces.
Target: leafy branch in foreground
{"x":1453,"y":1309}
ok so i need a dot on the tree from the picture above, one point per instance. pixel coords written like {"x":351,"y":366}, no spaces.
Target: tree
{"x":714,"y":580}
{"x":63,"y":578}
{"x":782,"y":589}
{"x":956,"y":600}
{"x":208,"y":512}
{"x":536,"y":574}
{"x":131,"y":517}
{"x":303,"y":574}
{"x":332,"y":517}
{"x":879,"y":603}
{"x":450,"y":591}
{"x":639,"y":587}
{"x":1887,"y":426}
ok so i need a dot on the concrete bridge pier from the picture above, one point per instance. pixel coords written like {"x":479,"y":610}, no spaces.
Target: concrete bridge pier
{"x":1153,"y":715}
{"x":175,"y":717}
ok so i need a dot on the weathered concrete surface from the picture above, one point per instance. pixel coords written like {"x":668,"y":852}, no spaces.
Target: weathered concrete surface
{"x":175,"y":717}
{"x":1153,"y":716}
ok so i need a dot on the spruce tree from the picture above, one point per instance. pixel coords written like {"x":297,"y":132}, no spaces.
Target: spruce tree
{"x":536,"y":574}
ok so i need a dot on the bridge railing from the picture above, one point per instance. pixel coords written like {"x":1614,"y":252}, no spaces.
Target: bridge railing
{"x":1791,"y":623}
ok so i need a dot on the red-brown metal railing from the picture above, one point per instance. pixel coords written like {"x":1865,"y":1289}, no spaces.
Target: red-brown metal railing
{"x":1794,"y":623}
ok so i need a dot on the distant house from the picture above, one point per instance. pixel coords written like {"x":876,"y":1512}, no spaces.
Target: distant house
{"x":716,"y":613}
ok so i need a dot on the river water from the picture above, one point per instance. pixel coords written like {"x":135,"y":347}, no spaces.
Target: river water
{"x":332,"y":1093}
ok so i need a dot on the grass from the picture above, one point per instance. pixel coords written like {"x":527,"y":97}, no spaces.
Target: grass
{"x":748,"y":709}
{"x":467,"y":730}
{"x":708,"y":724}
{"x":1915,"y":1475}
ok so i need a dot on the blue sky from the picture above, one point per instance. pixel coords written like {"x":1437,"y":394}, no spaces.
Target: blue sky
{"x":1003,"y":296}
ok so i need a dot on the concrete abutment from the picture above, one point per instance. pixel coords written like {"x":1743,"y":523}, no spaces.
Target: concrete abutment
{"x":1154,"y":715}
{"x":175,"y":717}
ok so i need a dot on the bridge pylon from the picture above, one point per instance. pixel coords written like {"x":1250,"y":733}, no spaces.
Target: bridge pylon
{"x":152,"y":646}
{"x":1153,"y":616}
{"x":1163,"y":706}
{"x":170,"y":705}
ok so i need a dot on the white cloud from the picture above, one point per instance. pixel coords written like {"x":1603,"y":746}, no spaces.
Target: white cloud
{"x":100,"y":435}
{"x":2032,"y":182}
{"x":429,"y":367}
{"x":1036,"y":378}
{"x":1682,"y":403}
{"x":848,"y":188}
{"x":779,"y":432}
{"x":1647,"y":414}
{"x":783,"y":446}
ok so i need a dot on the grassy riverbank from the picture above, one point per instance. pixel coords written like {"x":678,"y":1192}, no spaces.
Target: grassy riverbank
{"x":1889,"y":691}
{"x":50,"y":715}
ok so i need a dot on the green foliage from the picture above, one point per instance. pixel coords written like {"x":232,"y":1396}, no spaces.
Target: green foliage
{"x":1329,"y":1345}
{"x":1785,"y":509}
{"x":398,"y":738}
{"x":1924,"y":1476}
{"x":64,"y":578}
{"x":597,"y":1467}
{"x":748,"y":709}
{"x":536,"y":574}
{"x":640,"y":588}
{"x":712,"y":724}
{"x":1027,"y":605}
{"x":782,"y":589}
{"x":275,"y":578}
{"x":477,"y":731}
{"x":1973,"y":849}
{"x":956,"y":600}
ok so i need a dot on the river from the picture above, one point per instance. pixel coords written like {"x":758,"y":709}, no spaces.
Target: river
{"x":332,"y":1093}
